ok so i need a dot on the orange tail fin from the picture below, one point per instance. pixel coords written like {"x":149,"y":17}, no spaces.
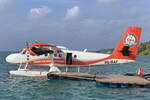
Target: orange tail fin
{"x":127,"y":48}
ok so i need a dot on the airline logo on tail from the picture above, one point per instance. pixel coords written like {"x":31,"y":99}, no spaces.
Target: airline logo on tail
{"x":130,"y":40}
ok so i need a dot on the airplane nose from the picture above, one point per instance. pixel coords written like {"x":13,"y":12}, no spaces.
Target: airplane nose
{"x":11,"y":58}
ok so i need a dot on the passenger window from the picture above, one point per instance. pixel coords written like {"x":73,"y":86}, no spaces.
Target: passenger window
{"x":46,"y":54}
{"x":75,"y":56}
{"x":60,"y":55}
{"x":55,"y":55}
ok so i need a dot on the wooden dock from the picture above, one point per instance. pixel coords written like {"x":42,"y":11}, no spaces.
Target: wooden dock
{"x":112,"y":80}
{"x":72,"y":75}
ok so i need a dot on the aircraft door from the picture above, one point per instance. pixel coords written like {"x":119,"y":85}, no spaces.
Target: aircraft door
{"x":69,"y":59}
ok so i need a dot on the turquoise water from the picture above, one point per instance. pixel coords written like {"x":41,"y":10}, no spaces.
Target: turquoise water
{"x":35,"y":88}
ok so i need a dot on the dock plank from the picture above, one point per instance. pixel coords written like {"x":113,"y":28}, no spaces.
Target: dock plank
{"x":122,"y":79}
{"x":105,"y":78}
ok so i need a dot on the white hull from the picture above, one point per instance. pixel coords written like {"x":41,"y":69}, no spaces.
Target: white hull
{"x":28,"y":73}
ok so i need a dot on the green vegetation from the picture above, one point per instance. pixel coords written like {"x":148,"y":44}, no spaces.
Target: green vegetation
{"x":144,"y":49}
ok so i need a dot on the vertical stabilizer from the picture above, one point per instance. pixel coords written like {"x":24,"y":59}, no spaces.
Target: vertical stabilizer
{"x":127,"y":48}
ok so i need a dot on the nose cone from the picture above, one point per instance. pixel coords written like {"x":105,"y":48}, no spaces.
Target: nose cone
{"x":12,"y":58}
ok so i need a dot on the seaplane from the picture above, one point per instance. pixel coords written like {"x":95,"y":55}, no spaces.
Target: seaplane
{"x":44,"y":54}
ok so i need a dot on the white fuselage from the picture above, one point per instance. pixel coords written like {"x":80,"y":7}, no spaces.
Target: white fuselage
{"x":78,"y":58}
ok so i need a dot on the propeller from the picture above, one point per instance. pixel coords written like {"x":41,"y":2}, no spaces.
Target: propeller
{"x":27,"y":44}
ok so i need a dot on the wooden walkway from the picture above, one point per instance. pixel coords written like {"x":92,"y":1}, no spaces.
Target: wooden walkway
{"x":72,"y":75}
{"x":122,"y":79}
{"x":104,"y":79}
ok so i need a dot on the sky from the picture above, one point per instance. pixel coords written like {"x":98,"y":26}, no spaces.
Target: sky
{"x":76,"y":24}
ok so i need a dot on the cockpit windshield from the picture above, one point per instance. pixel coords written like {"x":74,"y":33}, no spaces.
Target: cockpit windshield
{"x":39,"y":50}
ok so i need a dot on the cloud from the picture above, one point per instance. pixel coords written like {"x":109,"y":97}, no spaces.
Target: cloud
{"x":72,"y":13}
{"x":39,"y":13}
{"x":4,"y":3}
{"x":108,"y":1}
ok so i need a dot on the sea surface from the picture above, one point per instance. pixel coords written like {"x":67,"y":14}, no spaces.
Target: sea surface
{"x":41,"y":88}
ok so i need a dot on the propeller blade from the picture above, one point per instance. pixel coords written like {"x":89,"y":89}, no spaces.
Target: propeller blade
{"x":27,"y":44}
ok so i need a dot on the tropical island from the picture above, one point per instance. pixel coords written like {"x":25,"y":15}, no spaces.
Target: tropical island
{"x":144,"y":49}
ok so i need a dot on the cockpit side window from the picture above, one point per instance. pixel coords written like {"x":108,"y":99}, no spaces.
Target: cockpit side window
{"x":23,"y":51}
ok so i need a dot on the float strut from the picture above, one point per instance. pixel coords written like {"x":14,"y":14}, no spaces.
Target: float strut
{"x":78,"y":69}
{"x":89,"y":68}
{"x":66,"y":69}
